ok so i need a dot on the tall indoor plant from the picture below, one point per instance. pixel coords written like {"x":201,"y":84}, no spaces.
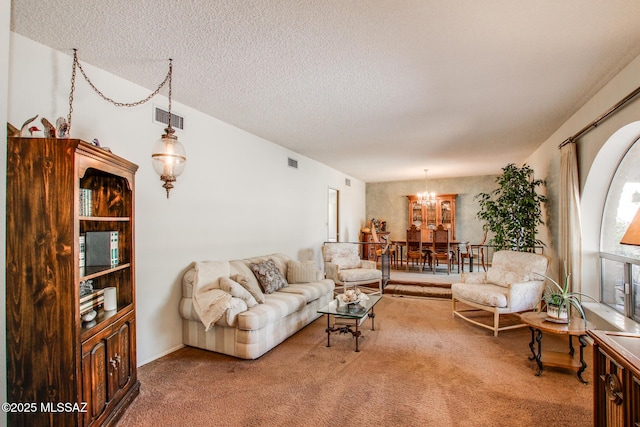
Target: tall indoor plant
{"x":513,"y":210}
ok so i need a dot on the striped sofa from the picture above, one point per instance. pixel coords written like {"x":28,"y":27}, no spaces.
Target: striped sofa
{"x":248,"y":333}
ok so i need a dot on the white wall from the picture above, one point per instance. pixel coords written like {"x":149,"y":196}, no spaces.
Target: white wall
{"x":237,"y":197}
{"x":5,"y":7}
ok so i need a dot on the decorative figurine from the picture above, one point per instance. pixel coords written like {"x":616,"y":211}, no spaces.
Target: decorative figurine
{"x":25,"y":130}
{"x":12,"y":130}
{"x":62,"y":127}
{"x":49,"y":129}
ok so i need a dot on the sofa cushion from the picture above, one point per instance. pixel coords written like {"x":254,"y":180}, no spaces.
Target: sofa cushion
{"x":347,"y":261}
{"x":269,"y":276}
{"x":310,"y":291}
{"x":237,"y":290}
{"x":485,"y":294}
{"x":277,"y":305}
{"x":301,"y":271}
{"x":251,"y":286}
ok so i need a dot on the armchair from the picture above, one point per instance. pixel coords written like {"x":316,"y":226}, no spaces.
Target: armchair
{"x":343,"y":265}
{"x":513,"y":284}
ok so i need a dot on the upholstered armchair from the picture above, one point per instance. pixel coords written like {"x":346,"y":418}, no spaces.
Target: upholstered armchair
{"x":343,"y":265}
{"x":513,"y":284}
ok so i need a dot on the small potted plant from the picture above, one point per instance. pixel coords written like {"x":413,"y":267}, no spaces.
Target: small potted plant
{"x":559,"y":300}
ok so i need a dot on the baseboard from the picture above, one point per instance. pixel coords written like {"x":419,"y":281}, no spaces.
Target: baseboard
{"x":176,"y":348}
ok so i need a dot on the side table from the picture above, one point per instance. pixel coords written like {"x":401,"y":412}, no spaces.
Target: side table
{"x":576,"y":328}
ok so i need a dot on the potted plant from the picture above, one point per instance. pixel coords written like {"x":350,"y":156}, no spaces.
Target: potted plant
{"x":559,"y":300}
{"x":513,"y":210}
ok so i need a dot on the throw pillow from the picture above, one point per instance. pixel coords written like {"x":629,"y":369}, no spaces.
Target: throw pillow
{"x":269,"y":276}
{"x":352,"y":261}
{"x":253,"y":289}
{"x":237,"y":290}
{"x":301,"y":272}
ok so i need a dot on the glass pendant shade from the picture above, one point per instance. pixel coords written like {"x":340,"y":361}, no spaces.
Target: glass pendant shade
{"x":169,"y":159}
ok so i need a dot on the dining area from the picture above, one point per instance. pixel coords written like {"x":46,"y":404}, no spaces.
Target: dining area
{"x":437,"y":253}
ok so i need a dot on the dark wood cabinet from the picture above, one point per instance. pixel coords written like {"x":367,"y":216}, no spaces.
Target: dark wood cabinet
{"x":427,"y":218}
{"x":616,"y":364}
{"x":54,"y":359}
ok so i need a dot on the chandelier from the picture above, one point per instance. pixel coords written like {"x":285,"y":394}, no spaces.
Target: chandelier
{"x":427,"y":198}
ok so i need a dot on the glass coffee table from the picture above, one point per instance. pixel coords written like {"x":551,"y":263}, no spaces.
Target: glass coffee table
{"x":343,"y":315}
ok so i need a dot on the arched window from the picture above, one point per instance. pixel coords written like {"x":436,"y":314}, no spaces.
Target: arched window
{"x":620,"y":264}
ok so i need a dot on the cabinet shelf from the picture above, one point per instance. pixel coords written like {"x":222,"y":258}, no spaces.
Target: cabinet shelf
{"x":101,"y":270}
{"x":102,"y":317}
{"x":105,"y":218}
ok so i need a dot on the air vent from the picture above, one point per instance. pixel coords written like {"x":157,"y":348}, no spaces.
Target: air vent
{"x":162,"y":116}
{"x":293,"y":163}
{"x":347,"y":182}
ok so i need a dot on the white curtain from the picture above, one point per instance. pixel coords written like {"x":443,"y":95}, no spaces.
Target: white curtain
{"x":570,"y":244}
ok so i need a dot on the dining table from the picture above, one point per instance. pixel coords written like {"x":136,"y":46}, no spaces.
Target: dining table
{"x":426,"y":246}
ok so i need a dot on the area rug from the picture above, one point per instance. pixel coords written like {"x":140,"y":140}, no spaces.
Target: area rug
{"x":420,"y":367}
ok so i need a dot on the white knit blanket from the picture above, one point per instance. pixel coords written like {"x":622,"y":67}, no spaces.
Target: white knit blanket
{"x":209,"y":301}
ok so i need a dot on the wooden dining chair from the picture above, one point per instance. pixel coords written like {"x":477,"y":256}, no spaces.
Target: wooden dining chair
{"x":414,"y":247}
{"x":481,"y":248}
{"x":441,"y":249}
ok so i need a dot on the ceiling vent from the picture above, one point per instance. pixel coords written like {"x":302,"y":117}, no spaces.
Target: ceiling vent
{"x":293,"y":163}
{"x":347,"y":182}
{"x":162,"y":116}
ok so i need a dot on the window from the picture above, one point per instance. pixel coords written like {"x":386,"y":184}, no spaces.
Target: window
{"x":620,"y":264}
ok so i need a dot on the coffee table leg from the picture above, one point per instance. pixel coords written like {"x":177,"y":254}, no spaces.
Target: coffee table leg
{"x":356,"y":334}
{"x":583,"y":366}
{"x":329,"y":330}
{"x":372,"y":315}
{"x":539,"y":355}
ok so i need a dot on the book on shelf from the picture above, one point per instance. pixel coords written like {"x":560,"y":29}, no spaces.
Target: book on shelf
{"x":101,"y":248}
{"x":82,"y":253}
{"x":91,"y":301}
{"x":86,"y":203}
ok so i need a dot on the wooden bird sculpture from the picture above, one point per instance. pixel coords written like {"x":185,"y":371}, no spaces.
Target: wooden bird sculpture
{"x":25,"y":131}
{"x":49,"y":129}
{"x":12,"y":130}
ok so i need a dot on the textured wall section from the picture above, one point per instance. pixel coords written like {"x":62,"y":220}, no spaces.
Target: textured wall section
{"x":388,"y":200}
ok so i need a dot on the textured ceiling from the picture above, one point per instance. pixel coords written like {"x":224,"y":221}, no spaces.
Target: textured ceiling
{"x":378,"y":89}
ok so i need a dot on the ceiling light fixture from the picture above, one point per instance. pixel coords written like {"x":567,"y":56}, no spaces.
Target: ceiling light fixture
{"x":168,"y":155}
{"x":427,"y":198}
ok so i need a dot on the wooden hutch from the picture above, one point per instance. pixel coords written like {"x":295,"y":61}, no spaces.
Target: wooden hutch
{"x":427,"y":218}
{"x":54,"y":357}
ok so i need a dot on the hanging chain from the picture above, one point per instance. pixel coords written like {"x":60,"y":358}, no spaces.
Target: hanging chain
{"x":170,"y":90}
{"x":76,"y":64}
{"x":73,"y":88}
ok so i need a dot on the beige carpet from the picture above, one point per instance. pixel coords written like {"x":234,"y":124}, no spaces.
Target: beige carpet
{"x":421,"y":367}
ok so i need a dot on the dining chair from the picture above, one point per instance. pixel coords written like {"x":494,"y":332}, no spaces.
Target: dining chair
{"x":414,"y":247}
{"x":441,"y":248}
{"x":481,"y":252}
{"x":465,"y":252}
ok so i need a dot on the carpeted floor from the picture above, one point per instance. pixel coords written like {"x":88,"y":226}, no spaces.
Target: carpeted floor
{"x":420,"y":367}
